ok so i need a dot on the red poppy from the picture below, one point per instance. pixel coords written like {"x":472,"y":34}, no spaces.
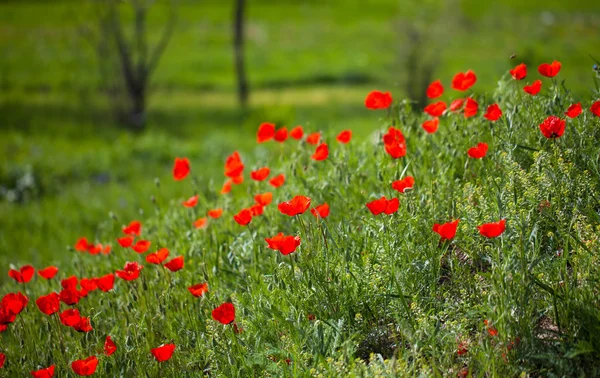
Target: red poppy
{"x":141,"y":246}
{"x":14,"y":303}
{"x":574,"y":110}
{"x":85,"y":367}
{"x":130,"y":272}
{"x":95,"y":249}
{"x":69,"y":283}
{"x":199,"y":289}
{"x":200,"y":223}
{"x":281,"y":135}
{"x":233,"y":165}
{"x":48,"y":304}
{"x":534,"y":88}
{"x":175,"y":264}
{"x":471,"y":108}
{"x":404,"y":185}
{"x":457,"y":104}
{"x":106,"y":250}
{"x":225,"y":313}
{"x":23,"y":275}
{"x":321,"y":153}
{"x":125,"y":241}
{"x":264,"y":199}
{"x":260,"y":174}
{"x":321,"y":211}
{"x":277,"y":181}
{"x":431,"y":125}
{"x":549,"y":69}
{"x":181,"y":168}
{"x":226,"y":187}
{"x":89,"y":284}
{"x":344,"y":137}
{"x":492,"y":230}
{"x":243,"y":217}
{"x":6,"y":317}
{"x":44,"y":373}
{"x":493,"y":113}
{"x":82,"y":245}
{"x":71,"y":296}
{"x":191,"y":202}
{"x":70,"y":317}
{"x":553,"y":127}
{"x":109,"y":346}
{"x":158,"y":257}
{"x":163,"y":353}
{"x":295,"y":206}
{"x":215,"y":213}
{"x":479,"y":151}
{"x":134,"y":228}
{"x":83,"y":325}
{"x":266,"y":131}
{"x":435,"y":89}
{"x":383,"y":205}
{"x":464,"y":81}
{"x":446,"y":230}
{"x":378,"y":100}
{"x":519,"y":72}
{"x":394,"y":143}
{"x":297,"y":133}
{"x":595,"y":108}
{"x":237,"y":180}
{"x":2,"y":359}
{"x":106,"y":282}
{"x":257,"y":209}
{"x":283,"y":244}
{"x":462,"y":349}
{"x":436,"y":109}
{"x":48,"y":273}
{"x":313,"y":138}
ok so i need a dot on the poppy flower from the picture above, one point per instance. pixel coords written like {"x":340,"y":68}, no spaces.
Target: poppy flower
{"x":70,"y":296}
{"x":70,"y":317}
{"x":436,"y":109}
{"x":181,"y":168}
{"x":553,"y":127}
{"x":199,"y":289}
{"x":225,"y":313}
{"x":283,"y":244}
{"x":83,"y":325}
{"x":344,"y":137}
{"x":175,"y":264}
{"x":237,"y":180}
{"x":446,"y":230}
{"x":134,"y":228}
{"x":130,"y":272}
{"x":48,"y":304}
{"x":89,"y":284}
{"x":163,"y":353}
{"x":215,"y":213}
{"x":6,"y":317}
{"x":492,"y":230}
{"x":464,"y":81}
{"x":14,"y":303}
{"x":109,"y":346}
{"x":431,"y":125}
{"x":95,"y":249}
{"x":295,"y":206}
{"x":82,"y":245}
{"x":321,"y":211}
{"x":595,"y":108}
{"x":158,"y":257}
{"x":125,"y":241}
{"x":493,"y":113}
{"x":479,"y":151}
{"x":313,"y":138}
{"x":462,"y":349}
{"x":243,"y":217}
{"x":394,"y":143}
{"x":471,"y":108}
{"x":48,"y":273}
{"x":23,"y":275}
{"x":260,"y":174}
{"x":106,"y":250}
{"x":277,"y":181}
{"x":383,"y":205}
{"x":378,"y":100}
{"x":435,"y":89}
{"x":534,"y":88}
{"x":226,"y":187}
{"x":85,"y":367}
{"x":2,"y":359}
{"x":574,"y":110}
{"x":233,"y":165}
{"x":69,"y":283}
{"x":106,"y":282}
{"x":549,"y":69}
{"x":404,"y":185}
{"x":141,"y":246}
{"x":519,"y":72}
{"x":191,"y":202}
{"x":264,"y":199}
{"x":266,"y":131}
{"x":200,"y":223}
{"x":297,"y":133}
{"x":457,"y":104}
{"x":281,"y":135}
{"x":321,"y":153}
{"x":257,"y":209}
{"x":44,"y":373}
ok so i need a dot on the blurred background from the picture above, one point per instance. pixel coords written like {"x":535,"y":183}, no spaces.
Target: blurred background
{"x":98,"y":97}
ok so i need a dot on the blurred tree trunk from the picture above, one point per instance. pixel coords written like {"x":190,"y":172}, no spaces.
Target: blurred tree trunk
{"x":238,"y":48}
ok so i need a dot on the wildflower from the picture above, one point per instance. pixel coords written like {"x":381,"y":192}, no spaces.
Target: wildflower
{"x":82,"y":245}
{"x":595,"y":108}
{"x":549,"y":69}
{"x":431,"y":125}
{"x":134,"y":228}
{"x":225,"y":313}
{"x":48,"y":273}
{"x":574,"y":110}
{"x":257,"y":209}
{"x":436,"y":109}
{"x":2,"y":359}
{"x":191,"y":202}
{"x":163,"y":353}
{"x":462,"y":349}
{"x":479,"y":151}
{"x":125,"y":241}
{"x":447,"y":231}
{"x":378,"y":100}
{"x":277,"y":181}
{"x":313,"y":138}
{"x":109,"y":346}
{"x":534,"y":88}
{"x":321,"y":211}
{"x":266,"y":131}
{"x":226,"y":187}
{"x":215,"y":213}
{"x":344,"y":136}
{"x":85,"y":367}
{"x":199,"y":289}
{"x":394,"y":143}
{"x":23,"y":275}
{"x":48,"y":304}
{"x":493,"y":113}
{"x":464,"y":81}
{"x":295,"y":206}
{"x":263,"y":199}
{"x":435,"y":89}
{"x":383,"y":205}
{"x":200,"y":223}
{"x":283,"y":244}
{"x":14,"y":303}
{"x":175,"y":264}
{"x":471,"y":108}
{"x":321,"y":153}
{"x":519,"y":72}
{"x":297,"y":133}
{"x":457,"y":104}
{"x":243,"y":217}
{"x":233,"y":165}
{"x":260,"y":174}
{"x":130,"y":272}
{"x":492,"y":230}
{"x":106,"y":282}
{"x":70,"y":317}
{"x":158,"y":257}
{"x":404,"y":185}
{"x":181,"y":168}
{"x":44,"y":373}
{"x":141,"y":246}
{"x":281,"y":135}
{"x":553,"y":127}
{"x":83,"y":325}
